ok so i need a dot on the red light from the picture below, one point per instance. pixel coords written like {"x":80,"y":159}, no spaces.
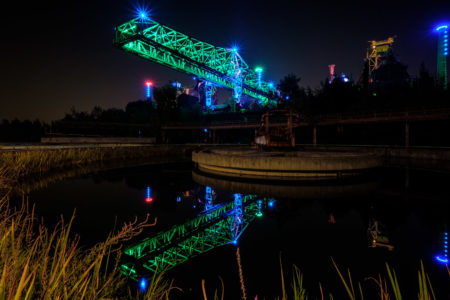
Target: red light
{"x":149,"y":83}
{"x":148,"y":200}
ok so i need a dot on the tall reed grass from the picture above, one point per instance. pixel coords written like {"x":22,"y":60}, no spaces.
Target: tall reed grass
{"x":36,"y":263}
{"x":19,"y":164}
{"x":386,"y":288}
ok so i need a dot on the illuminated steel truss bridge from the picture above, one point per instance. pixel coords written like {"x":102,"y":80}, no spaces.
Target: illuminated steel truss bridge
{"x":215,"y":66}
{"x":220,"y":225}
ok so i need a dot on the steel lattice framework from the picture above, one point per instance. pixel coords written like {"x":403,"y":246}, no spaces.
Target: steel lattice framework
{"x":221,"y":225}
{"x":222,"y":67}
{"x":377,"y":51}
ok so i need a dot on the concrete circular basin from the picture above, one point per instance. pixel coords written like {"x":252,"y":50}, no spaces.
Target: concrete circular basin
{"x":283,"y":165}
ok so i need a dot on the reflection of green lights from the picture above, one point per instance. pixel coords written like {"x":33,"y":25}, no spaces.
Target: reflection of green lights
{"x":374,"y":94}
{"x":174,"y":246}
{"x":131,"y":270}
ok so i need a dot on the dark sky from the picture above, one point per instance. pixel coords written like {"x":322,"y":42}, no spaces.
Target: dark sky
{"x":54,"y":57}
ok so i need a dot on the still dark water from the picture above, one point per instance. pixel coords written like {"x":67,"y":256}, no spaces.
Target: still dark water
{"x":306,"y":223}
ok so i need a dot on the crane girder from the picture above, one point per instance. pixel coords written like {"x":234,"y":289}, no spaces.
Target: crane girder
{"x":221,"y":66}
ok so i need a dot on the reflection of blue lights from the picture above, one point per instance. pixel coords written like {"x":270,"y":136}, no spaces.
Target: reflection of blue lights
{"x":441,"y":260}
{"x":143,"y":284}
{"x":178,"y":199}
{"x":444,"y":258}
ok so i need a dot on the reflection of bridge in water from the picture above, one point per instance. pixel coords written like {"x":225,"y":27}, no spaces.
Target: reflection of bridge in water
{"x":217,"y":226}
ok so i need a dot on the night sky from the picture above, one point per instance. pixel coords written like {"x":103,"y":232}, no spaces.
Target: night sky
{"x":54,"y":57}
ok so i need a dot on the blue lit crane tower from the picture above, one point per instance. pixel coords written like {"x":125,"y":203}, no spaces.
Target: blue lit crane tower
{"x":442,"y":55}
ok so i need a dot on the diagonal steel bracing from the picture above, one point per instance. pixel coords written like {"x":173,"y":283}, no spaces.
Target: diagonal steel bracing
{"x":221,"y":66}
{"x":216,"y":227}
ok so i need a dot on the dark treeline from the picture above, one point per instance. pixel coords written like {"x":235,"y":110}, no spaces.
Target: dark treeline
{"x":139,"y":118}
{"x":22,"y":131}
{"x":391,"y":89}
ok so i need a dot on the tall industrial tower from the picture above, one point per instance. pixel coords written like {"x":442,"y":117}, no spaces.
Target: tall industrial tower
{"x":442,"y":54}
{"x":377,"y":51}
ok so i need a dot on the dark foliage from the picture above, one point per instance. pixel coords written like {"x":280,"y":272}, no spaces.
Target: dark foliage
{"x":21,"y":131}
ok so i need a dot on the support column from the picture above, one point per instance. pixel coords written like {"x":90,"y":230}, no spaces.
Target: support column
{"x":209,"y":91}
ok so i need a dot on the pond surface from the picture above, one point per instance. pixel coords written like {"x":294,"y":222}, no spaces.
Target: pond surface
{"x":304,"y":223}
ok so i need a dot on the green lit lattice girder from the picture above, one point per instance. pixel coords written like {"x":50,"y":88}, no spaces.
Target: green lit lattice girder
{"x":219,"y":226}
{"x":221,"y":66}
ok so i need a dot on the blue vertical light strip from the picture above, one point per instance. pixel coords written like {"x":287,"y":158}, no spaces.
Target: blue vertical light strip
{"x":209,"y":90}
{"x":442,"y":64}
{"x":446,"y":42}
{"x":444,"y":257}
{"x":208,"y":198}
{"x":259,"y":212}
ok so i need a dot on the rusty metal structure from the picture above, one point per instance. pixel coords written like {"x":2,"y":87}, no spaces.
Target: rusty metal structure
{"x":377,"y":52}
{"x":276,"y":129}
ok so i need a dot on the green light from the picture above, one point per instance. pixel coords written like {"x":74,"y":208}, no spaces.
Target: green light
{"x":374,"y":94}
{"x":181,"y":52}
{"x":182,"y":242}
{"x":258,"y":69}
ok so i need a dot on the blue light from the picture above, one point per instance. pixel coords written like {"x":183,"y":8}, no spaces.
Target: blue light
{"x":149,"y":92}
{"x":178,"y":199}
{"x":271,"y":84}
{"x":441,"y":27}
{"x":235,"y":49}
{"x":205,"y":130}
{"x":143,"y":284}
{"x":441,"y":260}
{"x":270,"y":203}
{"x":287,"y":97}
{"x":346,"y":79}
{"x":234,"y":242}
